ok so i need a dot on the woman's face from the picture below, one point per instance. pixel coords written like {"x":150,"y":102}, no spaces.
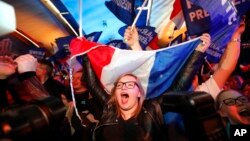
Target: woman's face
{"x":127,"y":93}
{"x":235,"y":107}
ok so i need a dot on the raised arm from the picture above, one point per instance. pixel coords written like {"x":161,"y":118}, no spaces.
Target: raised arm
{"x":93,"y":83}
{"x":229,"y":58}
{"x":184,"y":78}
{"x":30,"y":89}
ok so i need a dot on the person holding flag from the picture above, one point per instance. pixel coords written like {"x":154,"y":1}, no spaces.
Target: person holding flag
{"x":128,"y":114}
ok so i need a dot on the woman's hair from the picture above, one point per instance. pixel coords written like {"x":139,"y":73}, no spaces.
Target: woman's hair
{"x":113,"y":99}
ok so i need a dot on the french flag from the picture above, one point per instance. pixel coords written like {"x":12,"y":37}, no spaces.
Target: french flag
{"x":177,"y":14}
{"x":156,"y":69}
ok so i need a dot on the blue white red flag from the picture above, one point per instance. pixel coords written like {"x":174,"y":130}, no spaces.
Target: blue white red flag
{"x":177,"y":14}
{"x":156,"y":69}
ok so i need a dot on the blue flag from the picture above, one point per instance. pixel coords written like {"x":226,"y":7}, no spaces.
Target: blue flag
{"x":122,"y":9}
{"x":146,"y":34}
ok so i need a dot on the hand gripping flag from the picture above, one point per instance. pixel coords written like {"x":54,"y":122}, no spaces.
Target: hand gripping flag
{"x":156,"y":69}
{"x":146,"y":34}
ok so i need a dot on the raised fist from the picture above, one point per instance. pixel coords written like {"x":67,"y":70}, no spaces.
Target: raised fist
{"x":26,"y":63}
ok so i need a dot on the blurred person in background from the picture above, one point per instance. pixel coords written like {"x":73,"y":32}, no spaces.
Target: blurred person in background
{"x":26,"y":86}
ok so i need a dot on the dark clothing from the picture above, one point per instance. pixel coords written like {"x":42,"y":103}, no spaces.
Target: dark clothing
{"x":124,"y":130}
{"x":27,"y":90}
{"x":83,"y":103}
{"x":24,"y":89}
{"x":3,"y":97}
{"x":55,"y":88}
{"x":148,"y":125}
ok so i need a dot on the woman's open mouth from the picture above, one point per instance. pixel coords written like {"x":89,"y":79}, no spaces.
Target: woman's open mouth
{"x":244,"y":112}
{"x":124,"y":98}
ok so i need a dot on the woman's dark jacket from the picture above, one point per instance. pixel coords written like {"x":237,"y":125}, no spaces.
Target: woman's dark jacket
{"x":151,"y":116}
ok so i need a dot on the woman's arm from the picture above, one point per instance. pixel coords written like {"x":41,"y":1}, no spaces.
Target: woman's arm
{"x":185,"y":77}
{"x":93,"y":83}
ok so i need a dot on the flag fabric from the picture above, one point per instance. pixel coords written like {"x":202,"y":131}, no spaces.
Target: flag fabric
{"x":93,"y":37}
{"x":122,"y":9}
{"x":167,"y":17}
{"x":156,"y":69}
{"x":224,"y":21}
{"x":177,"y":14}
{"x":63,"y":46}
{"x":153,"y":44}
{"x":146,"y":34}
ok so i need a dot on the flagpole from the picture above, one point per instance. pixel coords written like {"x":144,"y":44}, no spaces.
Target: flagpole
{"x":70,"y":68}
{"x":80,"y":18}
{"x":138,"y":14}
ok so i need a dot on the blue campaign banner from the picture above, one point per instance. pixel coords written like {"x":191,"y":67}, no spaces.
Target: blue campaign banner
{"x":224,"y":21}
{"x":94,"y":36}
{"x":118,"y":44}
{"x":38,"y":53}
{"x":197,"y":19}
{"x":122,"y":9}
{"x":63,"y":42}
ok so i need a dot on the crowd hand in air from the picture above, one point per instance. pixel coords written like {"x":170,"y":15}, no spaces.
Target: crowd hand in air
{"x":131,"y":38}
